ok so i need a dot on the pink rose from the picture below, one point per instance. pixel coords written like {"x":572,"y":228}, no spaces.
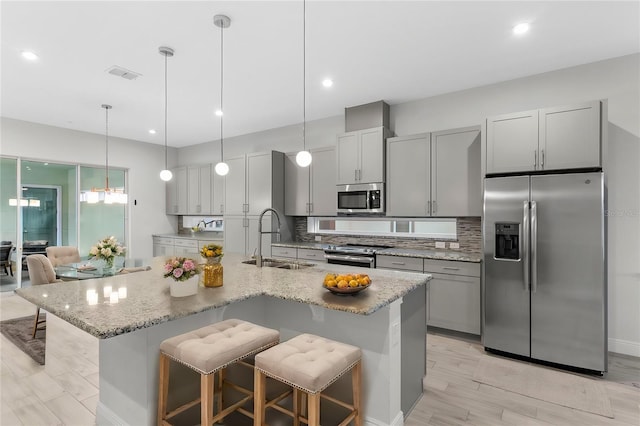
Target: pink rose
{"x":168,"y":267}
{"x":177,"y":272}
{"x":188,"y":265}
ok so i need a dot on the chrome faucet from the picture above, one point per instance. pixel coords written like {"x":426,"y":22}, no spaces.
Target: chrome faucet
{"x":277,"y":232}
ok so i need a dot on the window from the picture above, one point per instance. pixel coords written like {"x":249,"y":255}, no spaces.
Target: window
{"x":442,"y":228}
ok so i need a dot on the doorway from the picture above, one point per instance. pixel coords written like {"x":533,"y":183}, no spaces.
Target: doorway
{"x":41,"y":214}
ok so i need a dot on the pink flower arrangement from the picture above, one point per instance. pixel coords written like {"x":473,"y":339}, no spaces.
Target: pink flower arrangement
{"x":180,"y":268}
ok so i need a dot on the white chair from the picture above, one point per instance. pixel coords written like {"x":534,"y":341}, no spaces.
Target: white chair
{"x":40,"y":272}
{"x":62,"y":255}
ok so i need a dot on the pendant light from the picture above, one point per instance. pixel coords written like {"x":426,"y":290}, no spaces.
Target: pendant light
{"x":107,"y":194}
{"x":222,"y":22}
{"x":165,"y":174}
{"x":303,"y":158}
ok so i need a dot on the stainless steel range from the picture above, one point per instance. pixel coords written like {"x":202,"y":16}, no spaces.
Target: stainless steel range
{"x":363,"y":256}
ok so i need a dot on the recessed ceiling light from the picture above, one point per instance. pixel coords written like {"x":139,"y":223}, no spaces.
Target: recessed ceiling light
{"x":521,"y":28}
{"x":29,"y":55}
{"x":153,"y":132}
{"x":327,"y":82}
{"x":219,"y":112}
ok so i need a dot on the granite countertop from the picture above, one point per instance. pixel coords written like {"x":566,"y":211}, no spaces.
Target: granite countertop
{"x":203,"y":235}
{"x":148,"y":301}
{"x":404,"y":252}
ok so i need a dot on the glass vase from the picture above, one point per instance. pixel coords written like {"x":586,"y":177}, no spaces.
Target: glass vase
{"x":212,"y":272}
{"x":108,"y":268}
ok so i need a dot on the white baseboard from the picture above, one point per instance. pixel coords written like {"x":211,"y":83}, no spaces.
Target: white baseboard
{"x":104,"y":416}
{"x":624,"y":347}
{"x":398,"y":421}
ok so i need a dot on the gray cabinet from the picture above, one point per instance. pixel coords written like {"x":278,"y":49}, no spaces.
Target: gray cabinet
{"x":217,"y":193}
{"x":311,"y":191}
{"x":186,"y":247}
{"x":199,"y":189}
{"x":435,"y":174}
{"x":564,"y":137}
{"x":163,"y":246}
{"x":314,"y":255}
{"x":360,"y":156}
{"x":453,"y":295}
{"x":409,"y":175}
{"x":456,"y":178}
{"x":286,"y":252}
{"x":254,"y":182}
{"x":176,"y":192}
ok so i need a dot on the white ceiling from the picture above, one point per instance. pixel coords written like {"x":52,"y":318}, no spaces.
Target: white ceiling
{"x":392,"y":50}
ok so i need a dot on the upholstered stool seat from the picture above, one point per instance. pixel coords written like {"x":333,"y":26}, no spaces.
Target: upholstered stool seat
{"x":309,"y":364}
{"x":209,"y":350}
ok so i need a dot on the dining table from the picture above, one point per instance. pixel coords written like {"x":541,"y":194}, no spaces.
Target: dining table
{"x":86,"y":270}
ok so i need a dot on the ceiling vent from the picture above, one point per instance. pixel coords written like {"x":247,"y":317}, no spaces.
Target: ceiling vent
{"x":123,"y":72}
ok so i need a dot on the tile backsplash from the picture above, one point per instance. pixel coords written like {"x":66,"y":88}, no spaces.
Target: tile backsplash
{"x":468,"y":229}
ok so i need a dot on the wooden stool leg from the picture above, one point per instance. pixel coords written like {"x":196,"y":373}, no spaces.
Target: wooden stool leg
{"x":259,"y":395}
{"x":206,"y":399}
{"x":356,"y":384}
{"x":163,"y":388}
{"x":221,"y":375}
{"x":296,"y":407}
{"x":314,"y":409}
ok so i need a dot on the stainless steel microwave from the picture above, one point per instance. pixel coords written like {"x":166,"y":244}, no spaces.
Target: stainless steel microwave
{"x":367,"y":198}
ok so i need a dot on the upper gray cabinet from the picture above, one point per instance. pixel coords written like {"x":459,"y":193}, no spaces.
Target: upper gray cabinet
{"x":360,"y":156}
{"x":199,"y":192}
{"x":311,"y":191}
{"x":176,"y":188}
{"x":434,"y":174}
{"x":557,"y":138}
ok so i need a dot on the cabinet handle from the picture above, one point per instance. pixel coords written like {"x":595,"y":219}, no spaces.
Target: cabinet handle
{"x":535,"y":159}
{"x":397,"y":263}
{"x":435,"y":207}
{"x":311,"y":255}
{"x":359,"y":174}
{"x":199,"y":208}
{"x":221,"y":208}
{"x":355,"y":174}
{"x":542,"y":159}
{"x":429,"y":207}
{"x":450,"y":268}
{"x":310,"y":207}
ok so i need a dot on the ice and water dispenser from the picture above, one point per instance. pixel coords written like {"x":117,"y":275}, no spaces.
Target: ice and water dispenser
{"x":507,"y":241}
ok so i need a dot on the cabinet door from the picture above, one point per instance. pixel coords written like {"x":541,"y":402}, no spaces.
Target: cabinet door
{"x":408,"y":175}
{"x":259,"y":181}
{"x":205,"y":189}
{"x":163,"y":250}
{"x":288,"y":252}
{"x":193,"y":190}
{"x":324,"y":200}
{"x":235,"y":240}
{"x":570,"y":137}
{"x":512,"y":142}
{"x":453,"y":302}
{"x":235,"y":184}
{"x":371,"y":156}
{"x":456,"y":182}
{"x":296,"y":186}
{"x":399,"y":263}
{"x":348,"y":158}
{"x":181,"y":183}
{"x":172,"y":195}
{"x":252,"y":230}
{"x":217,"y":193}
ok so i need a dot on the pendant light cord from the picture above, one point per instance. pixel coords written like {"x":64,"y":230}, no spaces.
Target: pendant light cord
{"x":221,"y":91}
{"x":166,"y":162}
{"x":106,"y":132}
{"x":304,"y":75}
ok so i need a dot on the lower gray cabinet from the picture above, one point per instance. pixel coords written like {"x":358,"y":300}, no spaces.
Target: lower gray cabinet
{"x":453,"y":295}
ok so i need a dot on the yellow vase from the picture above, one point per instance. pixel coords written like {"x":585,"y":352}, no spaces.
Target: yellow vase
{"x":212,"y":273}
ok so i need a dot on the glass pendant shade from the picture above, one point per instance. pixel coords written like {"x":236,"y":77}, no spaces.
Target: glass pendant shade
{"x":222,"y":168}
{"x":303,"y":158}
{"x":166,"y":175}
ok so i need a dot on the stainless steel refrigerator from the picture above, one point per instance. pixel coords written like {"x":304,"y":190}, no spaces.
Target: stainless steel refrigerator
{"x":545,"y":268}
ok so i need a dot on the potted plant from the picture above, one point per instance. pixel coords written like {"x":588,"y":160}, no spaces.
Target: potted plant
{"x":212,"y":269}
{"x":183,"y":274}
{"x":106,"y":250}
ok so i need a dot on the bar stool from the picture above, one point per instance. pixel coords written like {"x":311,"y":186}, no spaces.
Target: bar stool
{"x":309,"y":364}
{"x":208,"y":350}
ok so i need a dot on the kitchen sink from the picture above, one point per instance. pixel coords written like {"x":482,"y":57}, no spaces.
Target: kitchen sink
{"x":281,"y":264}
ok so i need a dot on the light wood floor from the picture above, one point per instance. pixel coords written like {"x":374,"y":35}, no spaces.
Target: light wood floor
{"x":65,"y":392}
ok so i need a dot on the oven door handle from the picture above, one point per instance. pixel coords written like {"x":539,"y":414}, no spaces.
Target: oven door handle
{"x":358,"y":259}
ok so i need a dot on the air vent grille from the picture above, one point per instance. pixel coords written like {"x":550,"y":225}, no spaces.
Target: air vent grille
{"x":123,"y":72}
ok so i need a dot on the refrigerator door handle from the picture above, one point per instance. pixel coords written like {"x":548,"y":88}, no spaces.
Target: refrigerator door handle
{"x":524,"y":244}
{"x":534,"y":247}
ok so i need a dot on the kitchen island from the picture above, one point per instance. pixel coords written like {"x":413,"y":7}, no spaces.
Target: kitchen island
{"x":387,"y":321}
